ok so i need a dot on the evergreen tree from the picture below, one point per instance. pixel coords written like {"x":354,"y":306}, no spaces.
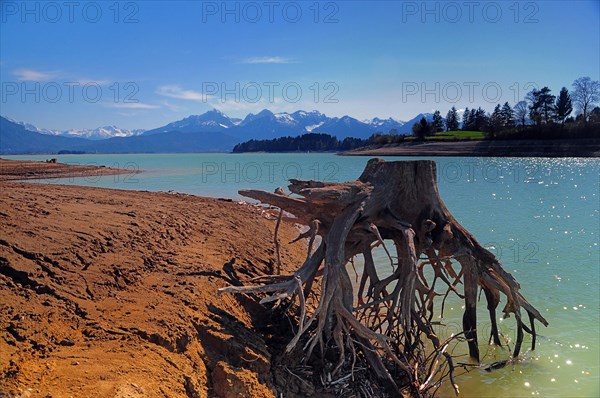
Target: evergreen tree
{"x":421,"y":129}
{"x":541,"y":109}
{"x":437,"y":124}
{"x":507,"y":116}
{"x":452,"y":120}
{"x":480,"y":119}
{"x":564,"y":105}
{"x":535,"y":113}
{"x":473,"y":119}
{"x":465,"y":119}
{"x":470,"y":118}
{"x":547,"y":104}
{"x":496,"y":122}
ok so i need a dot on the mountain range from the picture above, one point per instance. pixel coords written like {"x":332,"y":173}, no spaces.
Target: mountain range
{"x":99,"y":133}
{"x":208,"y":132}
{"x":267,"y":125}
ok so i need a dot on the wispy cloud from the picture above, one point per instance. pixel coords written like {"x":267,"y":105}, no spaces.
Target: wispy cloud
{"x":34,"y":75}
{"x":267,"y":60}
{"x":173,"y":107}
{"x":175,"y":91}
{"x":132,"y":105}
{"x":27,"y":74}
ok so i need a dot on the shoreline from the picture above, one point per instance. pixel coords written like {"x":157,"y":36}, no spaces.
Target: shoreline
{"x":491,"y":148}
{"x":587,"y":147}
{"x":11,"y":170}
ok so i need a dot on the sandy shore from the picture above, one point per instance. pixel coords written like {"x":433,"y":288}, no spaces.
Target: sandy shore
{"x":26,"y":170}
{"x":517,"y":148}
{"x":111,"y":293}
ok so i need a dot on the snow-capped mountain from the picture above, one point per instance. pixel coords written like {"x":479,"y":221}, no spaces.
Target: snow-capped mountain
{"x":31,"y":127}
{"x":385,"y":125}
{"x":211,"y":121}
{"x":102,"y":133}
{"x":266,"y":125}
{"x":309,"y":120}
{"x":345,"y":126}
{"x":251,"y":117}
{"x":99,"y":133}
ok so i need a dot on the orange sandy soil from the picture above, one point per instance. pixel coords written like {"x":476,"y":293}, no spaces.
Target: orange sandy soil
{"x":111,"y":293}
{"x":26,"y":169}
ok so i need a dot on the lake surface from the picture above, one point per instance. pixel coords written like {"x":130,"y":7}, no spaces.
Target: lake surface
{"x":540,"y":216}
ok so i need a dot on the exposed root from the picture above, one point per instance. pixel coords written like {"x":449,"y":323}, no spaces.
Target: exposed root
{"x":392,"y":319}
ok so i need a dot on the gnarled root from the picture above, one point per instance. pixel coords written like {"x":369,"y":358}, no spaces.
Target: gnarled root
{"x":399,"y":202}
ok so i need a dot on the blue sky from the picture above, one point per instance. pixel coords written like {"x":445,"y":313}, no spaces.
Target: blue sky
{"x":144,"y":64}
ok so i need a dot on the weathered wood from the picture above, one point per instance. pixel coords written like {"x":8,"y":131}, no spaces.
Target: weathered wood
{"x":398,"y":202}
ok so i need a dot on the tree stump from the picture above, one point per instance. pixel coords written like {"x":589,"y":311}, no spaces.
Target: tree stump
{"x":399,"y":202}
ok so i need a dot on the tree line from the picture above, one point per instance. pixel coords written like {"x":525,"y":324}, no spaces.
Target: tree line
{"x":310,"y":142}
{"x":540,"y":115}
{"x":313,"y":142}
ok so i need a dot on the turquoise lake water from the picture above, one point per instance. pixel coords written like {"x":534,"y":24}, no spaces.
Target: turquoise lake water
{"x":540,"y":216}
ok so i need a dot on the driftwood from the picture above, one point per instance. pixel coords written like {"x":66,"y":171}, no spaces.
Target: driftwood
{"x":387,"y":319}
